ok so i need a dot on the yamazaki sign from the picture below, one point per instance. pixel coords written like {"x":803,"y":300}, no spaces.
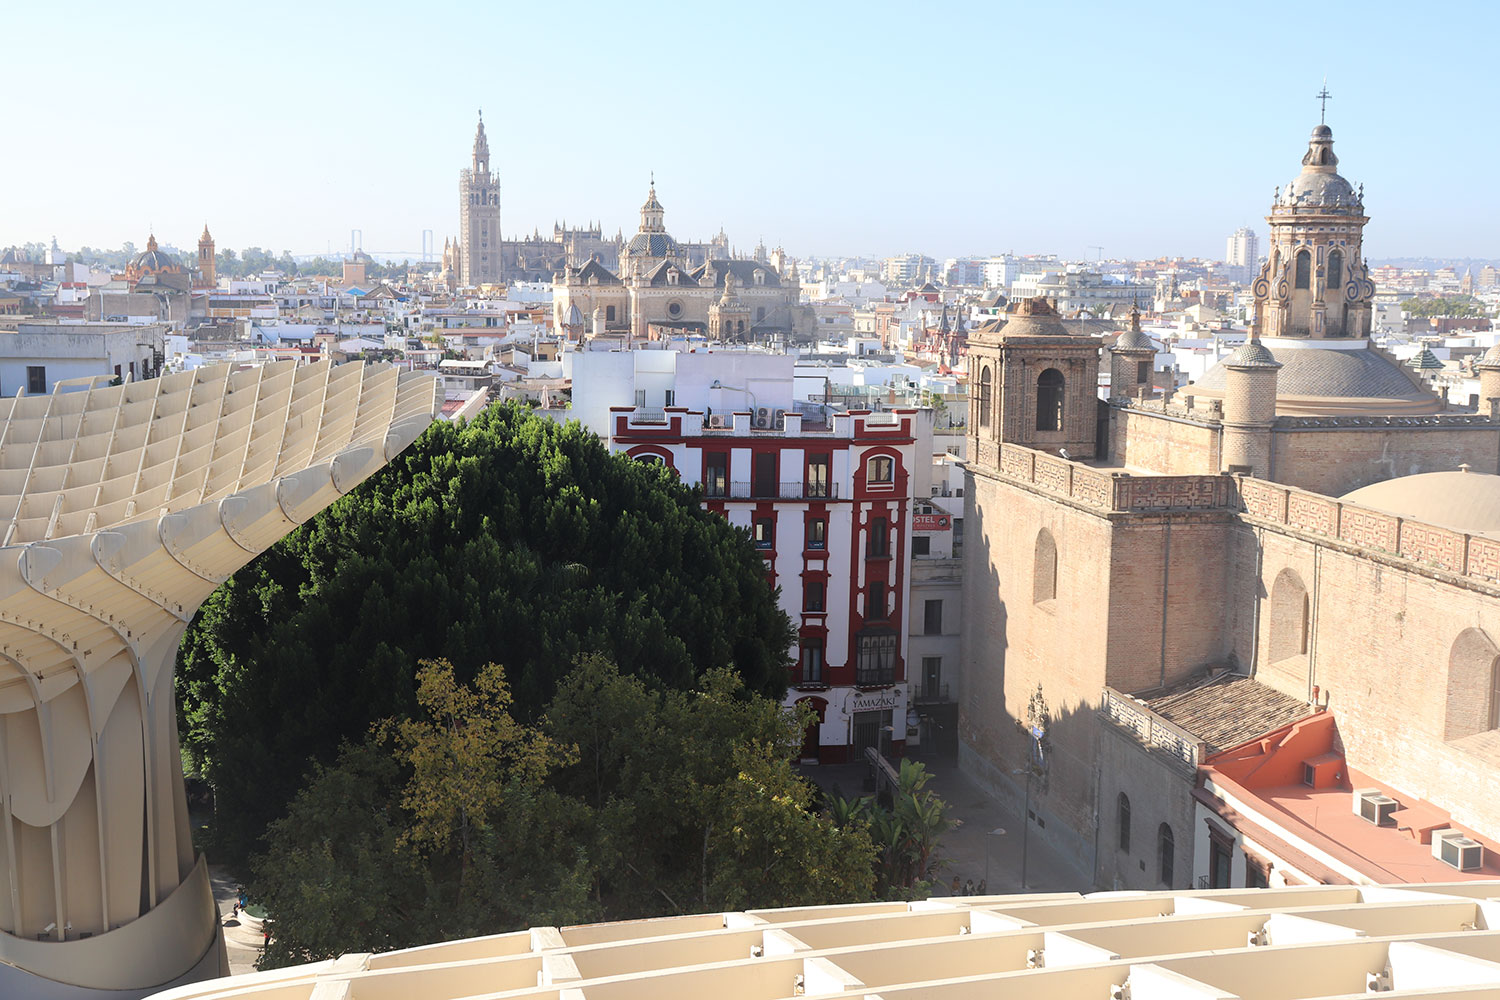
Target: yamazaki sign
{"x":931,"y":522}
{"x":874,"y":700}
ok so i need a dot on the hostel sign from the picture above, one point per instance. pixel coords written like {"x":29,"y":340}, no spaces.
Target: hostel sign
{"x":931,"y":522}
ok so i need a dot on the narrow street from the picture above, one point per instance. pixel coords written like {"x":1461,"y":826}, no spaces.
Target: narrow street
{"x":974,"y":850}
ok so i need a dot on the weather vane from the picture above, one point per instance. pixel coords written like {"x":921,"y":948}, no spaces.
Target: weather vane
{"x":1323,"y":96}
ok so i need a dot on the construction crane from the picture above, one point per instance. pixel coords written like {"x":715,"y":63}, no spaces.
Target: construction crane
{"x":1098,"y":253}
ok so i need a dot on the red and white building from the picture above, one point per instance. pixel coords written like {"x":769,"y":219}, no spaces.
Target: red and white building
{"x":829,"y":505}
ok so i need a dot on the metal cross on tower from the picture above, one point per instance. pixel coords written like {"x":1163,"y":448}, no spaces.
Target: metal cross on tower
{"x":1323,"y":96}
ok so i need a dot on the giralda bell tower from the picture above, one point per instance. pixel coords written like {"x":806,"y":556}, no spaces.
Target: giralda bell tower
{"x":479,"y":217}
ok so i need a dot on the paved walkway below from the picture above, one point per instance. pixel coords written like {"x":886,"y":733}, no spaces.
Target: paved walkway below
{"x":973,"y":850}
{"x":243,"y":934}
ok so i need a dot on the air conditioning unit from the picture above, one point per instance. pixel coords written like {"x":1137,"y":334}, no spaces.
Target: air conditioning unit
{"x":716,"y":422}
{"x":763,"y":417}
{"x":1373,"y":806}
{"x":1456,"y":850}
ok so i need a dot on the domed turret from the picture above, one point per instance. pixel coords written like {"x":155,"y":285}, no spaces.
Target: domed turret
{"x":1131,"y":361}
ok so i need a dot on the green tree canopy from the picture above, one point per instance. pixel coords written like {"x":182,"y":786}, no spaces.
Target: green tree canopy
{"x":1464,"y":306}
{"x":510,"y":539}
{"x":670,"y":802}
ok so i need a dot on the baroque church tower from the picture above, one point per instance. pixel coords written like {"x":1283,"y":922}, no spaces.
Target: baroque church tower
{"x":206,"y":262}
{"x":1315,"y":283}
{"x":479,"y":217}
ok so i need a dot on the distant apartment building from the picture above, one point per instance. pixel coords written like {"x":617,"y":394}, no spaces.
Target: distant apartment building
{"x":826,"y":497}
{"x":1002,"y":271}
{"x":1242,"y":255}
{"x":907,"y":269}
{"x":1077,"y":288}
{"x":964,"y":272}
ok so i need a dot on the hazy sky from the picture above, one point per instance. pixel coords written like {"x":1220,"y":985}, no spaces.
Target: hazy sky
{"x":857,"y":127}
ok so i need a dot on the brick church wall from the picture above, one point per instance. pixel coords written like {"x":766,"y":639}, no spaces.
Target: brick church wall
{"x":1144,"y":440}
{"x":1333,"y":461}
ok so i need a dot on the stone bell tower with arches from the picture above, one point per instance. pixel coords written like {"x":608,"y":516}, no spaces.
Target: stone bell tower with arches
{"x":1315,"y":283}
{"x":1033,"y":383}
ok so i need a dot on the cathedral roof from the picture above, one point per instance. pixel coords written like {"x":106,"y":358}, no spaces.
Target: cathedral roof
{"x":658,"y":275}
{"x":1335,"y":377}
{"x":743,"y":270}
{"x":594,"y":269}
{"x":1491,"y":358}
{"x":1462,"y":501}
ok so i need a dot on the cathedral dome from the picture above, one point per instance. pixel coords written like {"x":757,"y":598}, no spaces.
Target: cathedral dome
{"x":1462,"y":501}
{"x":1319,"y":184}
{"x":651,"y":245}
{"x":1491,"y":358}
{"x":1316,"y":381}
{"x":153,"y":261}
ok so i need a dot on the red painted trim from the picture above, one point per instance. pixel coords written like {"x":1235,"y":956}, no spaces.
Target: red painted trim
{"x":651,"y":449}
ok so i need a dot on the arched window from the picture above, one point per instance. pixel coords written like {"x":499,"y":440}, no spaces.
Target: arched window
{"x":1335,"y":273}
{"x":1289,"y":617}
{"x":1165,"y":852}
{"x":1473,"y":685}
{"x":1044,"y":570}
{"x":985,"y":380}
{"x":1304,"y":269}
{"x":1049,"y":400}
{"x":1124,"y":821}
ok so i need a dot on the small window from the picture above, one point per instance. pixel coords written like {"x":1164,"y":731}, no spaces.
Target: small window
{"x":1335,"y":272}
{"x":765,"y":533}
{"x":813,"y":595}
{"x":648,"y":459}
{"x":760,"y":314}
{"x":1143,"y":372}
{"x":878,"y":542}
{"x":816,"y":483}
{"x":36,"y":380}
{"x":1166,"y":852}
{"x":1123,"y":821}
{"x":932,"y":618}
{"x":1049,"y":400}
{"x":875,"y":657}
{"x":1304,"y":269}
{"x":921,"y":545}
{"x":876,"y":607}
{"x":674,"y":309}
{"x":817,"y":534}
{"x":881,"y":469}
{"x":716,"y":474}
{"x":812,"y":661}
{"x":985,"y":381}
{"x":609,"y":314}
